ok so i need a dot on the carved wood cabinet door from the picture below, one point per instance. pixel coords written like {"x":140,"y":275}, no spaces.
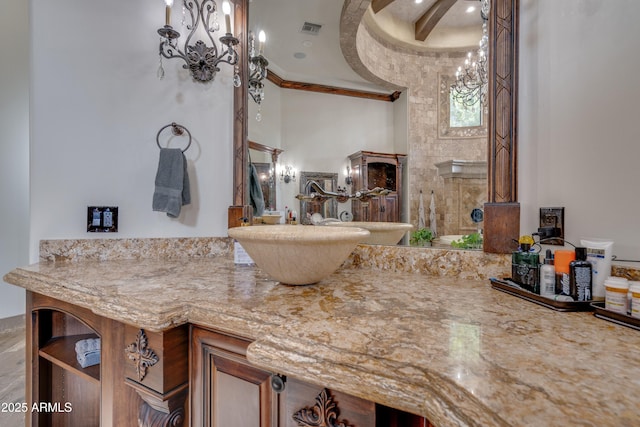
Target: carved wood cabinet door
{"x":226,"y":390}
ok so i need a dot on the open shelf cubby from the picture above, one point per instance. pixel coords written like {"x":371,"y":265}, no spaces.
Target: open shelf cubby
{"x":61,"y":352}
{"x":70,"y":393}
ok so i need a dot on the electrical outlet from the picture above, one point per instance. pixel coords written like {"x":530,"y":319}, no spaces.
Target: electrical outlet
{"x":552,"y":221}
{"x":102,"y":219}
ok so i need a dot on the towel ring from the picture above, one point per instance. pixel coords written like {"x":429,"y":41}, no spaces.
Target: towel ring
{"x":177,"y":130}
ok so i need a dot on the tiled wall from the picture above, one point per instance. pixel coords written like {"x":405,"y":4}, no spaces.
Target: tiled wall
{"x":420,"y":75}
{"x":461,"y":196}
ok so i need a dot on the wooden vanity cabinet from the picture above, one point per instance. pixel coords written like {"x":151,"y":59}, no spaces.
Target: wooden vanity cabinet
{"x":226,"y":391}
{"x":183,"y":376}
{"x":59,"y":392}
{"x":141,"y":381}
{"x":369,"y":170}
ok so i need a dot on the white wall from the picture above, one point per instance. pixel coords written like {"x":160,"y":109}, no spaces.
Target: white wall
{"x":96,"y":108}
{"x":268,"y":130}
{"x":401,"y":145}
{"x":14,"y":149}
{"x":578,"y":118}
{"x":318,"y":131}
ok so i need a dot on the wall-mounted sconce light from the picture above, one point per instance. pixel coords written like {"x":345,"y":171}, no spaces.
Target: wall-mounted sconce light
{"x":257,"y":67}
{"x":288,"y":174}
{"x":200,"y":59}
{"x":348,"y":179}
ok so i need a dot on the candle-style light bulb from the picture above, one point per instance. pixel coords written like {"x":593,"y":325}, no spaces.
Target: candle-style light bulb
{"x":262,"y":37}
{"x":226,"y":9}
{"x":167,"y":12}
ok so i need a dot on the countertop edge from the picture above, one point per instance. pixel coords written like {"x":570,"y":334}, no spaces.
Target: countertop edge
{"x":440,"y":395}
{"x":117,"y":310}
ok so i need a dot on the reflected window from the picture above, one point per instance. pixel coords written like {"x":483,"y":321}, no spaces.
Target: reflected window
{"x":456,"y":121}
{"x":461,"y":115}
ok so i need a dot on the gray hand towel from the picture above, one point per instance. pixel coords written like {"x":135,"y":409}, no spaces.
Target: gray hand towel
{"x":172,"y":183}
{"x":256,"y":197}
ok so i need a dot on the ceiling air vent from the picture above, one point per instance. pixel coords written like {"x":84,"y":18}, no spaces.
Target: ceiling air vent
{"x":309,"y":28}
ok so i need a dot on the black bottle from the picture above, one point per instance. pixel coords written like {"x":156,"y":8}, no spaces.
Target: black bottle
{"x":580,"y":276}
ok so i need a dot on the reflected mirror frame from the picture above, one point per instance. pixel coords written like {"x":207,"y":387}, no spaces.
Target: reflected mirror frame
{"x":502,"y":123}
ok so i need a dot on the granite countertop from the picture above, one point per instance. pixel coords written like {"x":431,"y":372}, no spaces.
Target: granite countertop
{"x":455,"y":351}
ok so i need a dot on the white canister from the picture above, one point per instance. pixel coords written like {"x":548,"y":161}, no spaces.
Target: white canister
{"x":616,"y":289}
{"x":634,"y":288}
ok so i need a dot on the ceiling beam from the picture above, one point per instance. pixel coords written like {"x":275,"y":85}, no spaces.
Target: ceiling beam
{"x":332,"y":90}
{"x":378,"y":5}
{"x":427,"y":22}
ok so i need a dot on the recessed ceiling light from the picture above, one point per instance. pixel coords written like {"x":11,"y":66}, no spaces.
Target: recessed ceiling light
{"x":471,"y":9}
{"x":418,"y":1}
{"x":307,"y":43}
{"x":299,"y":55}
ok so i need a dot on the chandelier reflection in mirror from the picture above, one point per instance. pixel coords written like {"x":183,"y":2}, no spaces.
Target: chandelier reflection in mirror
{"x":257,"y":70}
{"x":200,"y":59}
{"x":471,"y":83}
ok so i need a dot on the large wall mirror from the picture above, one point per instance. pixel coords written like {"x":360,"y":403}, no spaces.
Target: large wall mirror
{"x":496,"y":137}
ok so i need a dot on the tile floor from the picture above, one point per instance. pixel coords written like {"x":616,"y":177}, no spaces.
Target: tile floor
{"x":12,"y":365}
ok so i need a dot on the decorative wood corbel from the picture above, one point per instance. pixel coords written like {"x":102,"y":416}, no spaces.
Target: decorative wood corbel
{"x":149,"y":417}
{"x":323,"y":414}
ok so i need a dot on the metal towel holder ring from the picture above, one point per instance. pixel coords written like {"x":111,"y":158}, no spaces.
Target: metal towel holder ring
{"x":177,"y":130}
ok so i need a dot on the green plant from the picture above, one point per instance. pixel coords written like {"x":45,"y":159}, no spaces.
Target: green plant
{"x":469,"y":241}
{"x":421,"y":236}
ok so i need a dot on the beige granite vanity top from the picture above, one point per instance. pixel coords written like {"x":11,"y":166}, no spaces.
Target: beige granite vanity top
{"x":455,"y":351}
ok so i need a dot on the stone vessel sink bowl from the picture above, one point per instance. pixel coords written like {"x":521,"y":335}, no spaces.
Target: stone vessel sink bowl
{"x":298,"y":254}
{"x":381,"y":233}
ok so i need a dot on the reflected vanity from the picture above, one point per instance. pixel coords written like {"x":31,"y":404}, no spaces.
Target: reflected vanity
{"x":502,"y":208}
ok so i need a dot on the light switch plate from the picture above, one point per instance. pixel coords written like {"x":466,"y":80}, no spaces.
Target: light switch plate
{"x":102,"y":219}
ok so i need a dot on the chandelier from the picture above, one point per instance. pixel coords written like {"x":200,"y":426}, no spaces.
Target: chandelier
{"x":471,"y":83}
{"x":257,"y":70}
{"x":200,"y":59}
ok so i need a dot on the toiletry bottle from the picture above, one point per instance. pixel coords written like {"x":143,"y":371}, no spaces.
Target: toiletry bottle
{"x":599,"y":254}
{"x":548,"y":276}
{"x":563,"y":258}
{"x":581,"y":276}
{"x":524,"y":265}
